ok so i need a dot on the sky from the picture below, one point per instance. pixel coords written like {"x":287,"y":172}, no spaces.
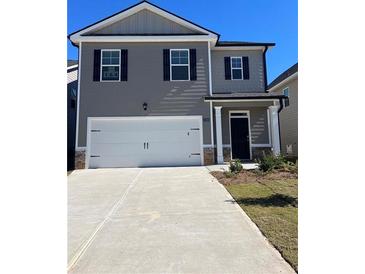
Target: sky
{"x":237,"y":20}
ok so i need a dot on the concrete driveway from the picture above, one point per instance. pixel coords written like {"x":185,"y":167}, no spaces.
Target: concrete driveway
{"x":161,"y":220}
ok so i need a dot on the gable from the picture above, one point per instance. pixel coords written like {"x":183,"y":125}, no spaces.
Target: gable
{"x":140,"y":23}
{"x":144,"y":22}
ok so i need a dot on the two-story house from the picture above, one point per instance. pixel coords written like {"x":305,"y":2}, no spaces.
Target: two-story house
{"x":155,"y":89}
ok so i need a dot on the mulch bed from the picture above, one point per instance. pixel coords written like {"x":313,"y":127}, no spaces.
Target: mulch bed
{"x":249,"y":176}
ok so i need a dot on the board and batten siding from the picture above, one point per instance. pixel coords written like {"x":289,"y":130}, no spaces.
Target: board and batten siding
{"x":256,"y":83}
{"x":145,"y":85}
{"x":144,"y":22}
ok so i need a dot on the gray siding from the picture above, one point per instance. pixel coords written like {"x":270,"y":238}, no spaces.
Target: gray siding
{"x":144,"y":22}
{"x":258,"y":120}
{"x":145,"y":84}
{"x":289,"y":117}
{"x":256,"y":83}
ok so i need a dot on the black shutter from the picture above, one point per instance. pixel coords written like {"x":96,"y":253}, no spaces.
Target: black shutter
{"x":246,"y":69}
{"x":97,"y":57}
{"x":192,"y":54}
{"x":166,"y":65}
{"x":227,"y":68}
{"x":124,"y":65}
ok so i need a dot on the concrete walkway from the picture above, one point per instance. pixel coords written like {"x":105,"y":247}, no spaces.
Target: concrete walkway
{"x":161,"y":220}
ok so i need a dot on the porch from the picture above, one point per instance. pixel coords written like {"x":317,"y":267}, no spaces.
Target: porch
{"x":244,"y":127}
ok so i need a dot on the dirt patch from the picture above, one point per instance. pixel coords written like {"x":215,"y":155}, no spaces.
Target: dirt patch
{"x":248,"y":176}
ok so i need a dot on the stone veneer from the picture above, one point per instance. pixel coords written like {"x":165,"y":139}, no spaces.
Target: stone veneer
{"x":79,"y":159}
{"x":209,"y":156}
{"x":260,"y":152}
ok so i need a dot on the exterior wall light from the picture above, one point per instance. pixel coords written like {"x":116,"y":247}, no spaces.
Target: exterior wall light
{"x":144,"y":106}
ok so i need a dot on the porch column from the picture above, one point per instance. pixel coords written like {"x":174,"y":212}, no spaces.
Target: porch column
{"x":275,"y":135}
{"x":218,"y":129}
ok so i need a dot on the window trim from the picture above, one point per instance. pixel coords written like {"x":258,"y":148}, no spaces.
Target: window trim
{"x":286,"y":100}
{"x":179,"y":65}
{"x":237,"y":57}
{"x":113,"y":65}
{"x":283,"y":91}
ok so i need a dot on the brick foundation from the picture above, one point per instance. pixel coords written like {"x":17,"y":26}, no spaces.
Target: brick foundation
{"x":79,"y":159}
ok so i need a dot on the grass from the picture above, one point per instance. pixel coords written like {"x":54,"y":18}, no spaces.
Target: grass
{"x":272,"y":205}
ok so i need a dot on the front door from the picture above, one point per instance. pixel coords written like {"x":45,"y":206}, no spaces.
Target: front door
{"x":240,"y":135}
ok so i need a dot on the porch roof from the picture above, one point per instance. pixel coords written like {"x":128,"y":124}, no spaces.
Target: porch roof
{"x":243,"y":96}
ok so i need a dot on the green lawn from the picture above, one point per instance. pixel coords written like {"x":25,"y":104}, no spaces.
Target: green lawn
{"x":272,"y":205}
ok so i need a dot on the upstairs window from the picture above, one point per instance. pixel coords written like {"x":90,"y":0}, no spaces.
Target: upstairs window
{"x":286,"y":93}
{"x":110,"y":65}
{"x":236,"y":67}
{"x":179,"y":68}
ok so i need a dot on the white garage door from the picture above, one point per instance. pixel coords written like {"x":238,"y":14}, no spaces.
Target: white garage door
{"x":144,"y":141}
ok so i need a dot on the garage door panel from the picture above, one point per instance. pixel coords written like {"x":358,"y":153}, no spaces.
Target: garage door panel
{"x":122,"y":142}
{"x":117,"y":137}
{"x":141,"y":124}
{"x":122,"y":149}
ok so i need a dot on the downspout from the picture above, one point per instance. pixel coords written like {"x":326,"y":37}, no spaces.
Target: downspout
{"x":264,"y":61}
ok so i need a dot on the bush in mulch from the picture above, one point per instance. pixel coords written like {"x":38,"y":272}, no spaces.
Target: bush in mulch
{"x":273,"y":162}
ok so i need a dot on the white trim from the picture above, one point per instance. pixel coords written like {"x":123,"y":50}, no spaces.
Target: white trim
{"x":214,"y":146}
{"x":179,"y":65}
{"x":87,"y":153}
{"x":136,"y":39}
{"x":269,"y":126}
{"x":118,"y":17}
{"x":89,"y":119}
{"x":274,"y":116}
{"x":109,"y":65}
{"x":249,"y":127}
{"x":283,"y":91}
{"x":261,"y":145}
{"x":80,"y":149}
{"x":232,"y":68}
{"x":73,"y":66}
{"x":218,"y":129}
{"x":291,"y":77}
{"x":211,"y":124}
{"x":242,"y":100}
{"x":210,"y":70}
{"x":78,"y":99}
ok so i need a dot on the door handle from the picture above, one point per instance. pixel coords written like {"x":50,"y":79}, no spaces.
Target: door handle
{"x":144,"y":145}
{"x":147,"y":145}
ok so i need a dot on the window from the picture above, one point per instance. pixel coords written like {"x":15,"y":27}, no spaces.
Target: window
{"x":236,"y":66}
{"x":179,"y":68}
{"x":286,"y":93}
{"x":110,"y":65}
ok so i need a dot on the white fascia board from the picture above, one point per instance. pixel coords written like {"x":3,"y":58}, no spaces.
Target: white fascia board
{"x":238,"y":48}
{"x":75,"y":37}
{"x":242,"y":100}
{"x":178,"y":38}
{"x":284,"y":82}
{"x":73,"y":66}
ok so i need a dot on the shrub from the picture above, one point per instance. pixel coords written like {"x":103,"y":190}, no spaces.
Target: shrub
{"x":271,"y":162}
{"x":235,"y":166}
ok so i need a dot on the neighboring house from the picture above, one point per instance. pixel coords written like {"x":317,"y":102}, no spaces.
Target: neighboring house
{"x":287,"y":84}
{"x":72,"y":69}
{"x":158,"y":90}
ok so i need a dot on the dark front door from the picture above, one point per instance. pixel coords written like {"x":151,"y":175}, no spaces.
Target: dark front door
{"x":240,"y":138}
